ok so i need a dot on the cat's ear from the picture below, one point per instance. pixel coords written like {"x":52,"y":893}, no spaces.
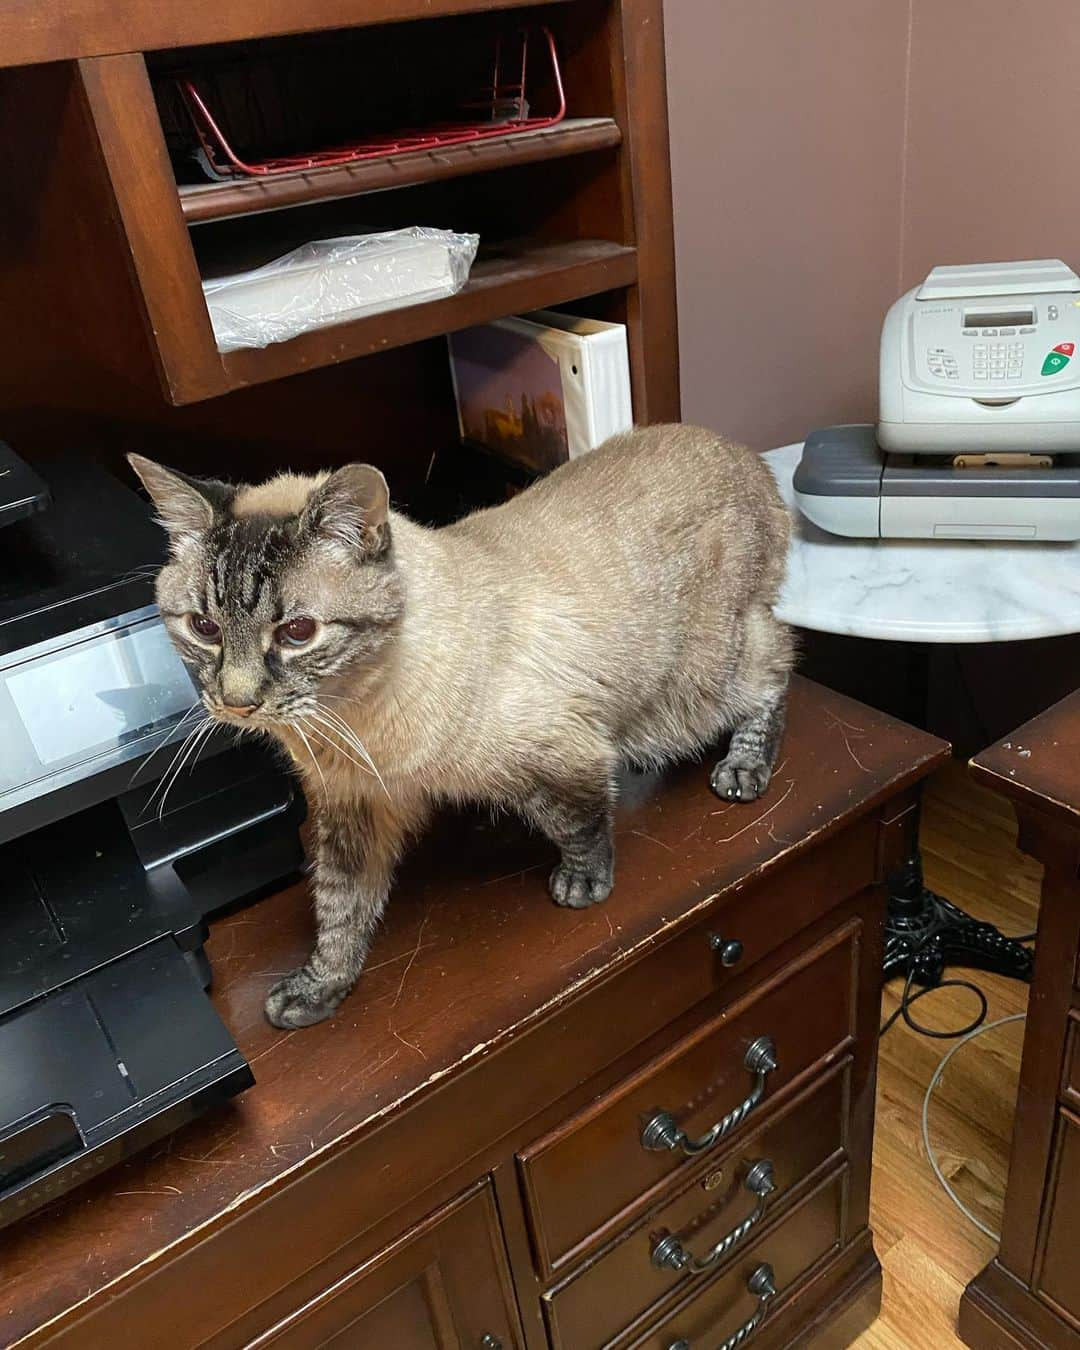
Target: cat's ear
{"x":351,"y":509}
{"x":186,"y":506}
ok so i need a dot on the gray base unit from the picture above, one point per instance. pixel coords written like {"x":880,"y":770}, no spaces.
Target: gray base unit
{"x":848,"y":485}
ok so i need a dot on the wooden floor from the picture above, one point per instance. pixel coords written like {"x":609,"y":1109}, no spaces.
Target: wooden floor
{"x":928,"y":1249}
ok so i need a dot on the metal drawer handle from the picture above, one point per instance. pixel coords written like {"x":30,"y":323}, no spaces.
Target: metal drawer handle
{"x":670,"y":1253}
{"x":761,"y":1284}
{"x":662,"y":1132}
{"x":730,"y":950}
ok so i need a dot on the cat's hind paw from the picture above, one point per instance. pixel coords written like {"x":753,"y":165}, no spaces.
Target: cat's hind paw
{"x":301,"y":1000}
{"x":579,"y":887}
{"x":739,"y":780}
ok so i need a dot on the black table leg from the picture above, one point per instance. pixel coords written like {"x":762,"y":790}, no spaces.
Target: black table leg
{"x":924,"y":932}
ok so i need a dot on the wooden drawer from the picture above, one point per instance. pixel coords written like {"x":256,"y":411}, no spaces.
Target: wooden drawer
{"x":582,"y":1178}
{"x":622,"y":1288}
{"x":444,"y":1284}
{"x":748,"y":926}
{"x":1059,"y":1261}
{"x":791,"y":1249}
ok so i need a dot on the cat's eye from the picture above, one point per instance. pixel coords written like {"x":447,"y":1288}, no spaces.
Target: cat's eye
{"x":203,"y":626}
{"x":296,"y":632}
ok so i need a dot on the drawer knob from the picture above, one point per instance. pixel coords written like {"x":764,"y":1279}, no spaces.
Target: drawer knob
{"x":662,"y":1132}
{"x":668,"y":1252}
{"x":761,"y":1285}
{"x":730,"y":950}
{"x":490,"y":1342}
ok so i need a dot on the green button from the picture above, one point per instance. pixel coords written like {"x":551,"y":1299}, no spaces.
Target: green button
{"x":1053,"y":363}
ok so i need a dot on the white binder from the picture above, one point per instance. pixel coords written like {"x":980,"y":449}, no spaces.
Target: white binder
{"x":595,"y":367}
{"x":591,"y":376}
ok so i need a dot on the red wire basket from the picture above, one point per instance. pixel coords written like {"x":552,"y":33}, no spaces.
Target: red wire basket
{"x":503,"y":109}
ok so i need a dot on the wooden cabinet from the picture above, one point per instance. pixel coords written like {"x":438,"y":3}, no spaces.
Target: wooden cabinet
{"x":754,"y":1290}
{"x":108,"y":244}
{"x":584,"y":1177}
{"x":719,"y":1206}
{"x":1058,"y":1279}
{"x":1029,"y":1295}
{"x":466,"y":1156}
{"x":445,"y":1285}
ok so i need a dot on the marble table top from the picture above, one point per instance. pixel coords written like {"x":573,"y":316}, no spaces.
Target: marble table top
{"x":924,"y":590}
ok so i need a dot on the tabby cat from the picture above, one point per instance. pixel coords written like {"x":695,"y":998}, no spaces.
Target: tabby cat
{"x":617,"y":611}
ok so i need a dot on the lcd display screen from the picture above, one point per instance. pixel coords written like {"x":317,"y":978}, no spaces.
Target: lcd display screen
{"x":999,"y":318}
{"x":100,"y":694}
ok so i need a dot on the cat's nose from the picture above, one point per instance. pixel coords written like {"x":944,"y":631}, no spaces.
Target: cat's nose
{"x":244,"y":710}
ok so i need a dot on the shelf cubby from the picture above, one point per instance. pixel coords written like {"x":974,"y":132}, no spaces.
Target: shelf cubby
{"x":504,"y":280}
{"x":201,"y":202}
{"x":573,"y":213}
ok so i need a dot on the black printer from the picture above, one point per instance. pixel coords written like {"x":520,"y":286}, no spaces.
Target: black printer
{"x":107,"y":1037}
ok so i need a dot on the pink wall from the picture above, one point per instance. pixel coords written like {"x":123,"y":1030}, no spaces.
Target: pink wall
{"x":825,"y":154}
{"x":992,"y":134}
{"x":787,"y":120}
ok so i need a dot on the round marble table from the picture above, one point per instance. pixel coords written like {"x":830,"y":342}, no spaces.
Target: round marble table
{"x":916,"y":590}
{"x":928,"y":591}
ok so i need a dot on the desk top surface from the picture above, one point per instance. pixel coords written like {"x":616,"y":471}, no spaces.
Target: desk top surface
{"x":472,"y":953}
{"x":921,"y":590}
{"x":1039,"y":763}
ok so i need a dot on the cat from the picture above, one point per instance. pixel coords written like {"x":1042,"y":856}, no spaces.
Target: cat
{"x":618,"y":611}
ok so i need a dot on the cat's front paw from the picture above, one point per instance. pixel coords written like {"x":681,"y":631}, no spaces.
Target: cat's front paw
{"x":740,"y":780}
{"x":301,"y":1000}
{"x":579,"y":887}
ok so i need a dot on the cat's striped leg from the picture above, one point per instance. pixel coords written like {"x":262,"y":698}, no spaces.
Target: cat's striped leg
{"x":358,"y":845}
{"x":576,"y":814}
{"x":744,"y":772}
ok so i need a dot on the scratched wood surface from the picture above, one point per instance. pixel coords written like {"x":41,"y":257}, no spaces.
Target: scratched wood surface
{"x":472,"y":950}
{"x":1040,"y":764}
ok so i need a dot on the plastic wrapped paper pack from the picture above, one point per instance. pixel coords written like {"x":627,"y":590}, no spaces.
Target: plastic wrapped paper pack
{"x":331,"y":281}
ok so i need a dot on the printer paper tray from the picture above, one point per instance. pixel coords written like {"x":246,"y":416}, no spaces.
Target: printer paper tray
{"x":103,"y":1067}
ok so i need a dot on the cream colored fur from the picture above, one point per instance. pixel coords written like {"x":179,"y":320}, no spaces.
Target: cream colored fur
{"x":618,"y":611}
{"x":624,"y":601}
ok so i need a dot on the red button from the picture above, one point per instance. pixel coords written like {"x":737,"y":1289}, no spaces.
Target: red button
{"x":1066,"y":348}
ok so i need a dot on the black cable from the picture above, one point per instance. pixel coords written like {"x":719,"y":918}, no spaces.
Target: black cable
{"x":907,"y":998}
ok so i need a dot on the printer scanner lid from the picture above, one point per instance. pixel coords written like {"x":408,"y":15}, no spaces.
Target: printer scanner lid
{"x":1038,"y":277}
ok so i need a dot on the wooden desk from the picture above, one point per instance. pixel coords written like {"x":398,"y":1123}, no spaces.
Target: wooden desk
{"x":458,"y":1155}
{"x":1029,"y":1295}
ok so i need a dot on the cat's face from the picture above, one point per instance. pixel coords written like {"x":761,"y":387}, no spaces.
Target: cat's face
{"x":271,"y":592}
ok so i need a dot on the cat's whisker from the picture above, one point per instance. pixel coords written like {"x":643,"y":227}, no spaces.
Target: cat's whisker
{"x":169,"y":776}
{"x":354,"y":739}
{"x":346,"y":733}
{"x":336,"y":748}
{"x":202,"y":732}
{"x":163,"y":741}
{"x":180,"y":750}
{"x":348,"y":730}
{"x":145,"y":572}
{"x":307,"y":746}
{"x":208,"y":730}
{"x":329,"y":729}
{"x":335,"y":719}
